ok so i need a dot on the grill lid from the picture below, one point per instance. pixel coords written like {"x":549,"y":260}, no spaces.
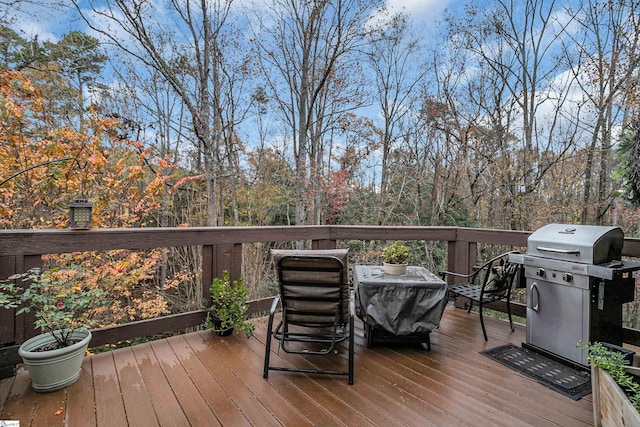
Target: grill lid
{"x":586,"y":244}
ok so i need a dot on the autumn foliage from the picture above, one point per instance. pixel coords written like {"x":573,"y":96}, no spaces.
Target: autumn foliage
{"x":45,"y":167}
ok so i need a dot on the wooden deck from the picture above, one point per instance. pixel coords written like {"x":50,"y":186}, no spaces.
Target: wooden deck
{"x":202,"y":379}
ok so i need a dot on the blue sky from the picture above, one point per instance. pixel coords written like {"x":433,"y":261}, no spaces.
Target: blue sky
{"x":49,"y":22}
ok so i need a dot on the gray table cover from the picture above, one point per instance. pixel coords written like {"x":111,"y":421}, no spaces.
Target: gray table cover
{"x":402,"y":305}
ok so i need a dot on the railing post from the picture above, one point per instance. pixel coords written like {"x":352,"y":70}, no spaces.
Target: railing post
{"x":218,"y":258}
{"x":7,"y":317}
{"x":462,"y":255}
{"x":14,"y":330}
{"x":451,"y":260}
{"x":323,"y":244}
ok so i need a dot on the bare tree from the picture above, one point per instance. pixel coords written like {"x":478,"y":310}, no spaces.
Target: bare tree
{"x":394,"y":57}
{"x":305,"y":47}
{"x":188,"y":51}
{"x":603,"y":56}
{"x":515,"y":45}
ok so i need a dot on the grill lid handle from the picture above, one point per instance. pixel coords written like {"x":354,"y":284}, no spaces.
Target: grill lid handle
{"x":558,"y":251}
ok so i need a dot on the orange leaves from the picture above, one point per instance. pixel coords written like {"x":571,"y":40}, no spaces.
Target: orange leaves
{"x":128,"y":277}
{"x":121,"y":177}
{"x":187,"y":179}
{"x":39,"y":158}
{"x":97,"y":160}
{"x":17,"y":95}
{"x":54,"y":164}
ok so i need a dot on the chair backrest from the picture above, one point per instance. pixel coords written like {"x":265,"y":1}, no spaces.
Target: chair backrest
{"x":498,"y":278}
{"x":311,"y":289}
{"x":341,"y":254}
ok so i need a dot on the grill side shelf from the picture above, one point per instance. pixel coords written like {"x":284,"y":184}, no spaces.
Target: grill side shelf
{"x":603,"y":271}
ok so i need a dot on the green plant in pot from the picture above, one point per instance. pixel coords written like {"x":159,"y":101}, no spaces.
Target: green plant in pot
{"x":228,"y":307}
{"x":395,"y":258}
{"x":62,"y":305}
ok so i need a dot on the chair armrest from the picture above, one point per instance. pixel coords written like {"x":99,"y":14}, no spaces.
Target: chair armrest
{"x":274,"y":305}
{"x":444,"y":274}
{"x":477,"y":269}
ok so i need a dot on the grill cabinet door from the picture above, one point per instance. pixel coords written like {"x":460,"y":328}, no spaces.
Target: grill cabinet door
{"x":557,"y":318}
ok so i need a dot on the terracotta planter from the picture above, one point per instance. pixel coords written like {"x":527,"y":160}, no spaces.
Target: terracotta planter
{"x":54,"y":369}
{"x":394,"y":269}
{"x":611,"y":406}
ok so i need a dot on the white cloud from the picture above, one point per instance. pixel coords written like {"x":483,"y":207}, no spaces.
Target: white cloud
{"x":418,"y":8}
{"x":423,"y":14}
{"x":27,"y":20}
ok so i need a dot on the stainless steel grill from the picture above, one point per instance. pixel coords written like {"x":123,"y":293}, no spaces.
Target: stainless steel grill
{"x":576,"y":285}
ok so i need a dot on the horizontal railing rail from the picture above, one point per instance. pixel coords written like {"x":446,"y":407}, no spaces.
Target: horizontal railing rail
{"x":222,"y":250}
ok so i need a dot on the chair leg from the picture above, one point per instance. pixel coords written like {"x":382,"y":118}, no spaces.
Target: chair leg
{"x":351,"y":345}
{"x":484,"y":330}
{"x":470,"y":306}
{"x":267,"y":350}
{"x":368,"y":331}
{"x":509,"y":313}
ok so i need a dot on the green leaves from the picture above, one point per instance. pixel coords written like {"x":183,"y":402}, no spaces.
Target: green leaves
{"x":397,"y":253}
{"x":228,"y":306}
{"x":59,"y":298}
{"x":613,"y":362}
{"x":628,"y":156}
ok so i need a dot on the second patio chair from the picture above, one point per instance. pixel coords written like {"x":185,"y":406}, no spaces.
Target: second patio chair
{"x":317,"y":309}
{"x":490,"y":282}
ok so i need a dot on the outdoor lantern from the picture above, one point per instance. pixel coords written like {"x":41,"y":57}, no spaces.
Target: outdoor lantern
{"x":80,"y":214}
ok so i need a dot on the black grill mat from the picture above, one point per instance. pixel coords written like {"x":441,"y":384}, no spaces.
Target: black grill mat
{"x":564,"y":379}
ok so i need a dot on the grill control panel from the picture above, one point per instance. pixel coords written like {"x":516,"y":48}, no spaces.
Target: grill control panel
{"x":560,"y":277}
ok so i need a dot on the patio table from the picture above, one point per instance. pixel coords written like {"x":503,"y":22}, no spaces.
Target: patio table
{"x":404,"y":308}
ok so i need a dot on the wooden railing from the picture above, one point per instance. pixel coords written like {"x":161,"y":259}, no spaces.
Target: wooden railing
{"x":221,"y":250}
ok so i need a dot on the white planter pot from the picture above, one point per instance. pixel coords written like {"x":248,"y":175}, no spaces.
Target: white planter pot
{"x":54,"y":369}
{"x":394,"y":269}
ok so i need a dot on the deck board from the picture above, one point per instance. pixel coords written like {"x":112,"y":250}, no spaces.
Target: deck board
{"x":208,"y":386}
{"x":235,"y":389}
{"x":21,"y":400}
{"x":193,"y":404}
{"x":358,"y":412}
{"x":50,"y":409}
{"x":309,"y":400}
{"x":82,"y":411}
{"x":202,"y":379}
{"x":166,"y":407}
{"x":244,"y":364}
{"x":303,"y":392}
{"x":109,"y":404}
{"x":137,"y":403}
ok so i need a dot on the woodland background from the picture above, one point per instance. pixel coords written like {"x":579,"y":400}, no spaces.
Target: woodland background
{"x":508,"y":115}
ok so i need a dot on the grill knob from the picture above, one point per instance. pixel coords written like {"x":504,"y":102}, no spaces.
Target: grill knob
{"x":540,"y":272}
{"x":567,"y":277}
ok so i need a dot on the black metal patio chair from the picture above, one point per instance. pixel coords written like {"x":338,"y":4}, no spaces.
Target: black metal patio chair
{"x":317,"y":308}
{"x":489,"y":282}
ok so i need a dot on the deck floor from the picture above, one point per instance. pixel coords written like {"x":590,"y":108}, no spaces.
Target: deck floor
{"x":201,"y":379}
